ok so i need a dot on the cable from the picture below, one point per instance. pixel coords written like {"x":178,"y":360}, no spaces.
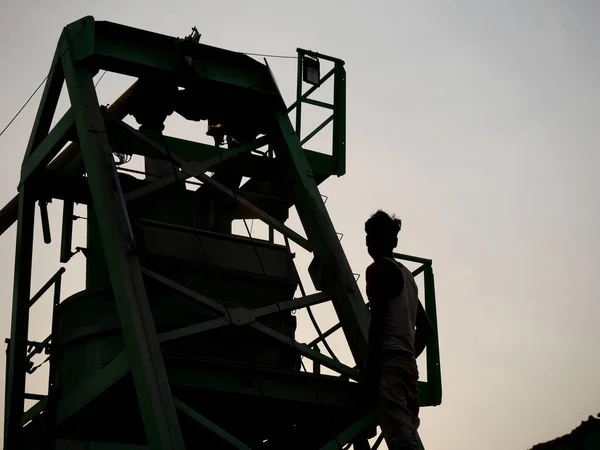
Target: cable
{"x":50,"y":72}
{"x":270,"y":56}
{"x":100,"y":79}
{"x":26,"y":103}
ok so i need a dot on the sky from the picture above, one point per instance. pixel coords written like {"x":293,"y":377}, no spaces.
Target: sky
{"x":475,"y":122}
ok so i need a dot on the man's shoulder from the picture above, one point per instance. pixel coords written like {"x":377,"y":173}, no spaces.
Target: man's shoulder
{"x":379,"y":267}
{"x":376,"y":266}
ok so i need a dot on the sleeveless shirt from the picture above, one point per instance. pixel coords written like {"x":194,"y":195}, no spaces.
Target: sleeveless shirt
{"x":400,"y":320}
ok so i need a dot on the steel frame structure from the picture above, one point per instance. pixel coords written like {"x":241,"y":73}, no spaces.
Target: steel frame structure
{"x":85,"y":47}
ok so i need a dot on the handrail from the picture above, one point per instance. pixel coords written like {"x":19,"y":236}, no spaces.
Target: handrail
{"x":45,"y":287}
{"x":434,"y":375}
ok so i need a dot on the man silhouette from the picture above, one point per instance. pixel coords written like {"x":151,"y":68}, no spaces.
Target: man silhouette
{"x":398,"y":334}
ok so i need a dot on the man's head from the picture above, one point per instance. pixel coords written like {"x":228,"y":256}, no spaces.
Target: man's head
{"x":382,"y":234}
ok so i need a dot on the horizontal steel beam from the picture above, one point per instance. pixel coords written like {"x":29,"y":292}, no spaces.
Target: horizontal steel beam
{"x":318,"y":103}
{"x":137,"y":53}
{"x":412,"y":258}
{"x":333,"y":59}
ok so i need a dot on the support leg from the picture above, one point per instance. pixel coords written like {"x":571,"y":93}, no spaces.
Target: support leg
{"x":17,"y":350}
{"x":141,"y":342}
{"x":346,"y":297}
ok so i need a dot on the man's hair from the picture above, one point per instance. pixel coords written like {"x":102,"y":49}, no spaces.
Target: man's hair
{"x":383,"y":225}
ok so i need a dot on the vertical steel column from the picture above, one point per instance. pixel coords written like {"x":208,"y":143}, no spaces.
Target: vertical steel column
{"x":17,"y":348}
{"x":434,"y":372}
{"x":17,"y":351}
{"x":141,"y":342}
{"x":66,"y":238}
{"x":339,"y":119}
{"x":270,"y":155}
{"x":299,"y":97}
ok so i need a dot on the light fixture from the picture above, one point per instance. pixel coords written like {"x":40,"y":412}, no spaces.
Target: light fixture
{"x":311,"y":73}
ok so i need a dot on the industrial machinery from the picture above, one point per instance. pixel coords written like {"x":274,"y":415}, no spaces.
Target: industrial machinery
{"x":184,"y":336}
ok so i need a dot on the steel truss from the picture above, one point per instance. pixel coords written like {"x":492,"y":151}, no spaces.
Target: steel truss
{"x":85,"y":47}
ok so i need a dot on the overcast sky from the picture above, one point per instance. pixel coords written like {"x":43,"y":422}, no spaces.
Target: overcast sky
{"x":477,"y":122}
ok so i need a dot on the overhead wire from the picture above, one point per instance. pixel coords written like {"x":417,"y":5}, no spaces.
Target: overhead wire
{"x":100,"y":79}
{"x":50,"y":72}
{"x":270,"y":56}
{"x":24,"y":105}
